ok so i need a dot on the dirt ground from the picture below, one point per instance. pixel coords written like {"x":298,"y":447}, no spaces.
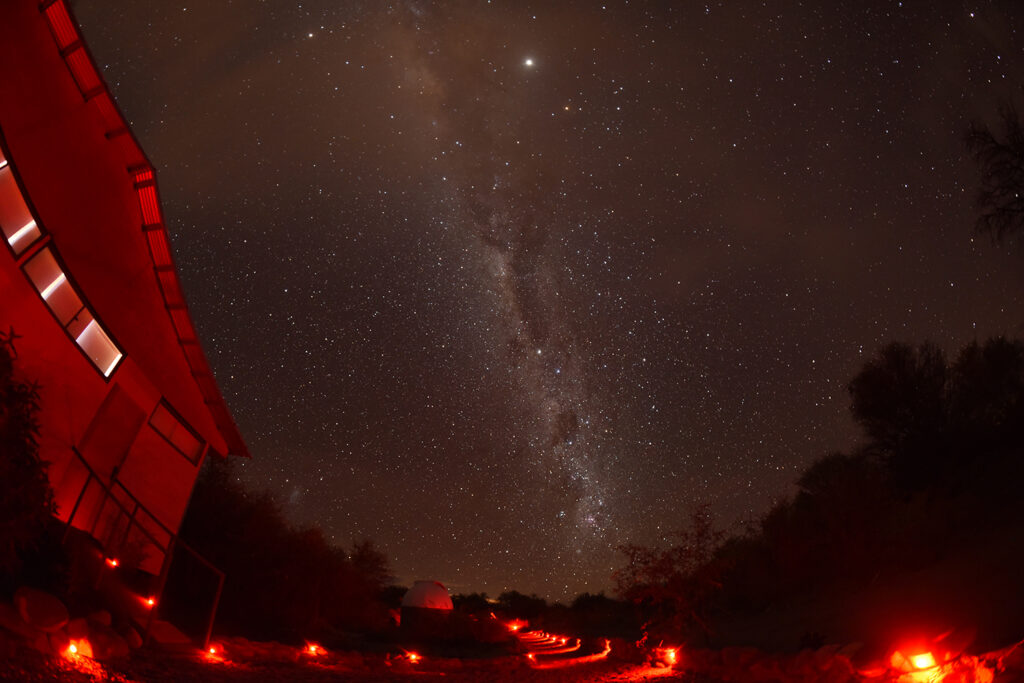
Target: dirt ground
{"x":158,"y":667}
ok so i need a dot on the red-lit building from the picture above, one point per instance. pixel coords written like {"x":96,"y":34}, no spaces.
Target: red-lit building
{"x":129,"y":407}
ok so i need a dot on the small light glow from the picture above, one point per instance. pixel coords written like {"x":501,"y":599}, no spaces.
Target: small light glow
{"x":150,"y":601}
{"x":23,"y":232}
{"x":73,"y":649}
{"x":110,"y":368}
{"x":923,"y":661}
{"x":112,"y":561}
{"x":3,"y":163}
{"x":528,"y":61}
{"x":213,"y":650}
{"x":413,"y":657}
{"x":52,"y":287}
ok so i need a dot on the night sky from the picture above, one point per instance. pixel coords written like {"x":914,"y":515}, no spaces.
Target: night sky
{"x":504,"y":285}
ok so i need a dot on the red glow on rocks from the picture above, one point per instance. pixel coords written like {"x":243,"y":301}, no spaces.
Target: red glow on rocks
{"x":79,"y":648}
{"x":923,"y":661}
{"x":214,"y":654}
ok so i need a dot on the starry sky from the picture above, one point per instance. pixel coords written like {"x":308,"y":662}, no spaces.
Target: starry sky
{"x":504,"y":285}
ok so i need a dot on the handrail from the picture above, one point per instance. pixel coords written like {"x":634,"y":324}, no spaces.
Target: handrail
{"x":167,"y":549}
{"x":108,"y":495}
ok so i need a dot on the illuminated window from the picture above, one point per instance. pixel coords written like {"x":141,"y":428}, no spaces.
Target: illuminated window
{"x":16,"y":220}
{"x":52,"y":283}
{"x":177,"y":433}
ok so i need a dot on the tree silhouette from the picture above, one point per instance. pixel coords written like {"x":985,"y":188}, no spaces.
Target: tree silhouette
{"x":26,"y":500}
{"x":675,"y":585}
{"x":899,"y":398}
{"x":1001,"y":158}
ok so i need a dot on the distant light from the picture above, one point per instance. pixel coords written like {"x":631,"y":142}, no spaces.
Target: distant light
{"x":213,"y":650}
{"x":150,"y":601}
{"x":413,"y":657}
{"x":73,"y":649}
{"x":528,"y":61}
{"x":112,"y":561}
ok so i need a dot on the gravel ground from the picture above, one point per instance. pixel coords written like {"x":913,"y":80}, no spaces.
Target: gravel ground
{"x":158,"y":667}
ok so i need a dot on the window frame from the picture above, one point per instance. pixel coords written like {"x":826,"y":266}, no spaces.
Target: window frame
{"x":45,"y":242}
{"x":165,"y":404}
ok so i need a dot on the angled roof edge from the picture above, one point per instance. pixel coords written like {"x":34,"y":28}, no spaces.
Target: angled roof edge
{"x":68,"y":40}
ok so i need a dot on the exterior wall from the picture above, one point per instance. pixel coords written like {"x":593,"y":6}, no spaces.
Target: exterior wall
{"x":124,"y":441}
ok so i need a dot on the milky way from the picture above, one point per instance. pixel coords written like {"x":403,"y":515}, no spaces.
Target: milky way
{"x":503,"y":286}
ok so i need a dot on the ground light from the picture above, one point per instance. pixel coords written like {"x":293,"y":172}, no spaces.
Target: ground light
{"x":79,"y":655}
{"x":923,"y":661}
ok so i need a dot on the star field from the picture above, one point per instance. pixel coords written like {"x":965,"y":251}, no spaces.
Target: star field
{"x":503,"y":285}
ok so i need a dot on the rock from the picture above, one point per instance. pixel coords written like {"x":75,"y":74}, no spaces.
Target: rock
{"x":824,"y":656}
{"x":101,"y":617}
{"x":107,"y":643}
{"x":765,"y":669}
{"x":40,"y":609}
{"x":41,"y":643}
{"x":132,"y":637}
{"x":59,"y":641}
{"x":77,"y":629}
{"x":737,"y":658}
{"x":11,"y":621}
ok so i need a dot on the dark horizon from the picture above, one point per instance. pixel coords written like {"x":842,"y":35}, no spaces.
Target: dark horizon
{"x":503,"y":288}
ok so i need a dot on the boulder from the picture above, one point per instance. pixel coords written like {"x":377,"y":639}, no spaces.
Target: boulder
{"x":40,"y":609}
{"x":101,"y":617}
{"x":41,"y":643}
{"x":59,"y":641}
{"x":132,"y":637}
{"x":77,"y":628}
{"x":11,"y":621}
{"x":107,"y":643}
{"x":737,"y":658}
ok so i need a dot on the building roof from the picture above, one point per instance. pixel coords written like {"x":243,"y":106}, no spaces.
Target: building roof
{"x":427,"y":595}
{"x":95,"y":192}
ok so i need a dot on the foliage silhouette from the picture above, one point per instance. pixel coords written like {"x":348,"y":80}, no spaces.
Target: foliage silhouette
{"x":1001,"y":158}
{"x":26,"y":499}
{"x":281,"y":583}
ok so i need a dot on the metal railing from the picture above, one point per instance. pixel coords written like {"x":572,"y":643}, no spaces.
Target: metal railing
{"x":124,"y":501}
